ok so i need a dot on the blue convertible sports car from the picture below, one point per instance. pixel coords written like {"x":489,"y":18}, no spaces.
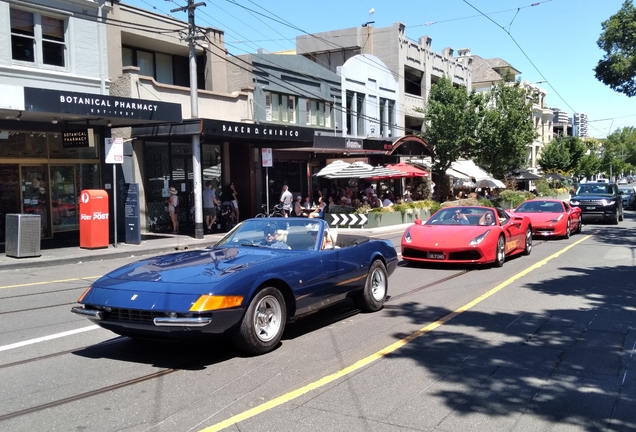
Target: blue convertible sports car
{"x":262,"y":273}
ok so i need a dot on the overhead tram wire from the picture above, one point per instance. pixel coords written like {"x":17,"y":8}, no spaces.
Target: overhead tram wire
{"x":375,"y":65}
{"x":287,"y":85}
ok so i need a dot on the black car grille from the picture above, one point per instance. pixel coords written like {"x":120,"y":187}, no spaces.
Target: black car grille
{"x":544,"y":230}
{"x":471,"y":255}
{"x":132,"y":315}
{"x":592,"y":202}
{"x":414,"y":253}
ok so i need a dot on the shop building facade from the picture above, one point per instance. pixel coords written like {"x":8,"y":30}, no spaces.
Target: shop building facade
{"x":55,"y":111}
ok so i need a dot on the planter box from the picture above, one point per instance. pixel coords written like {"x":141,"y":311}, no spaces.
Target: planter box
{"x":377,"y":220}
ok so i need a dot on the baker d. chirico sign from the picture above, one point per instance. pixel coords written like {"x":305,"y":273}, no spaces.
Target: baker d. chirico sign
{"x":84,"y":104}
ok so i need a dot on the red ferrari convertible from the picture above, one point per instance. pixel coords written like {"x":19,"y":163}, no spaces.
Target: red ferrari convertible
{"x":467,"y":235}
{"x":551,"y":217}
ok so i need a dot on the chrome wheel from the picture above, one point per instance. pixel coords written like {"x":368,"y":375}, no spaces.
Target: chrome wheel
{"x":378,"y":284}
{"x":263,"y":324}
{"x":267,"y":318}
{"x":371,"y":297}
{"x":567,"y":230}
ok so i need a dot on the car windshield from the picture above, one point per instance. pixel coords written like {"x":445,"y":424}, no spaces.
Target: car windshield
{"x":594,"y":189}
{"x":540,"y":207}
{"x":627,"y":191}
{"x":463,"y":216}
{"x":277,"y":233}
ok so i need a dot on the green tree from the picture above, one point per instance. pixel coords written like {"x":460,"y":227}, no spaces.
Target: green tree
{"x":617,"y":69}
{"x":562,"y":155}
{"x":506,"y":129}
{"x":452,"y":117}
{"x":590,"y":162}
{"x":554,"y":157}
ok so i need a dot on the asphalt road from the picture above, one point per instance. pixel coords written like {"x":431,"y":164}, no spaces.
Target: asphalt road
{"x":544,"y":343}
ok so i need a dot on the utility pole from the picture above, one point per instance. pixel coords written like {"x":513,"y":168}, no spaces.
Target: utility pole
{"x":194,"y":108}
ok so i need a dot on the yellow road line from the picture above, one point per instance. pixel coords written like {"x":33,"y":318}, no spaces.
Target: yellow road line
{"x":383,"y":352}
{"x":48,"y":282}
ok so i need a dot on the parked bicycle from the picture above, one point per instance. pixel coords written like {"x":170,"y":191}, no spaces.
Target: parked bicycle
{"x":275,"y":212}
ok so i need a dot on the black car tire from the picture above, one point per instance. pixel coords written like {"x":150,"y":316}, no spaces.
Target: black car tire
{"x":500,"y":252}
{"x":263,"y":324}
{"x":579,"y":228}
{"x":615,"y":218}
{"x":373,"y":295}
{"x":567,"y":230}
{"x":621,"y":216}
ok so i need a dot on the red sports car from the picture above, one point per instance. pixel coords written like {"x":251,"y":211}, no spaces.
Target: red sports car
{"x":551,"y":217}
{"x":467,"y":235}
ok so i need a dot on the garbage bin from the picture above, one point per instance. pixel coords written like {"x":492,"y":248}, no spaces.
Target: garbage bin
{"x":22,"y":235}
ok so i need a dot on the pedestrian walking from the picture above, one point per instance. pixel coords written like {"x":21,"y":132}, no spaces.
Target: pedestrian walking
{"x":286,"y":199}
{"x":209,"y":206}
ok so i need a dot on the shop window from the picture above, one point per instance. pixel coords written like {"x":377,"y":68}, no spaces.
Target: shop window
{"x":38,"y":39}
{"x":23,"y":144}
{"x":67,"y":181}
{"x":57,"y":150}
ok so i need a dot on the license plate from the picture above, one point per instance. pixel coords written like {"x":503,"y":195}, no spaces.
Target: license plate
{"x":436,"y":256}
{"x":591,"y":208}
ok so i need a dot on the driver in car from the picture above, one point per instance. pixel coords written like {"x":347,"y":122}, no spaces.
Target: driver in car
{"x":460,"y":218}
{"x":270,"y":233}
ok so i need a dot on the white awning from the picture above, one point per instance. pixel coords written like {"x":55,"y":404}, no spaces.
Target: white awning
{"x":468,"y":168}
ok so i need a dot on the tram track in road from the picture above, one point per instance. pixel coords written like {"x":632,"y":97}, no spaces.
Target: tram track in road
{"x":165,"y":371}
{"x":197,"y":363}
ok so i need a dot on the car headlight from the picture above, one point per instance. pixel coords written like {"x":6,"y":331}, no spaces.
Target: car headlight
{"x":575,"y":202}
{"x":479,"y":238}
{"x":407,"y":235}
{"x":609,"y":202}
{"x":557,"y":219}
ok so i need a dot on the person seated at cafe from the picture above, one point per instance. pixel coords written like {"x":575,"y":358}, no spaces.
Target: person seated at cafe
{"x":307,"y":203}
{"x":375,"y":201}
{"x":297,"y":208}
{"x":387,"y":201}
{"x":319,"y":211}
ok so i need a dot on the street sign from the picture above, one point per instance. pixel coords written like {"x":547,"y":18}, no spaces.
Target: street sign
{"x":348,"y":219}
{"x":114,"y":150}
{"x":268,"y":161}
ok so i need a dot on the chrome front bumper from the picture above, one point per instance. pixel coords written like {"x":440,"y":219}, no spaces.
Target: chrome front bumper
{"x":97,"y":315}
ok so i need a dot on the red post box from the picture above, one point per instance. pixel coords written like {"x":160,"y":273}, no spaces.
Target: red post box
{"x":93,"y":219}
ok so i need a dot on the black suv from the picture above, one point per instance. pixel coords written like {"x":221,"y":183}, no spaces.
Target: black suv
{"x":599,"y":201}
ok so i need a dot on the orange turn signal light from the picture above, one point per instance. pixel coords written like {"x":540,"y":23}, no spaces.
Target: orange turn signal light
{"x":210,"y":302}
{"x":79,"y":300}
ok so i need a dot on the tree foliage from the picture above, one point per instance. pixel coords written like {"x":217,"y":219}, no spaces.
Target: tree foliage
{"x":452,"y":118}
{"x":617,"y":69}
{"x":506,"y":129}
{"x":590,"y":162}
{"x":562,"y":155}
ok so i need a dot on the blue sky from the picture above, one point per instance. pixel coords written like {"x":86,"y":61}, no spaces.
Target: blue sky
{"x":553,"y":40}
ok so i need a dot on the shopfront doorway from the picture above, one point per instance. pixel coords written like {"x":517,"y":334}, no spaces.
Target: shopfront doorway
{"x":35,"y":197}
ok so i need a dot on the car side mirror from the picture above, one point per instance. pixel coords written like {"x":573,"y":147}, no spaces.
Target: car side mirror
{"x":419,"y":222}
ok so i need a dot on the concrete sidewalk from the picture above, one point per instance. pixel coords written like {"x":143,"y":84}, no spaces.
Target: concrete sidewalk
{"x":151,"y":244}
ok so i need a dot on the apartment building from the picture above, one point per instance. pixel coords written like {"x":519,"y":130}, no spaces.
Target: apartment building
{"x":579,"y":125}
{"x":414,"y":66}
